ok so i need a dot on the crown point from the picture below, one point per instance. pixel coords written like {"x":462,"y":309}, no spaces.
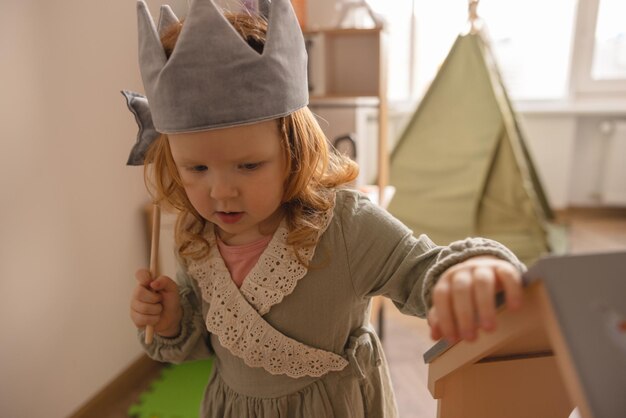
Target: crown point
{"x":142,"y":6}
{"x":150,"y":48}
{"x":288,"y":31}
{"x":264,"y":8}
{"x":167,"y":19}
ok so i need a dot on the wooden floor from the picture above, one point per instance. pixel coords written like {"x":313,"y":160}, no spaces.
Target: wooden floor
{"x":406,"y":338}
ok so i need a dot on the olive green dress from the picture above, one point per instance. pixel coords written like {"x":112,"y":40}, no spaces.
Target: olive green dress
{"x":297,"y":342}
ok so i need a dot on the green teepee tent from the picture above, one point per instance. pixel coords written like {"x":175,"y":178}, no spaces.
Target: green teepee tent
{"x":461,"y":167}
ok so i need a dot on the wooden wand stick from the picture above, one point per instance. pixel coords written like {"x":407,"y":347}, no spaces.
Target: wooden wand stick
{"x":154,"y":257}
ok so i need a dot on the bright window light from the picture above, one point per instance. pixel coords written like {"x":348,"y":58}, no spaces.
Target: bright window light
{"x":399,"y":19}
{"x":531,"y":40}
{"x":609,"y":57}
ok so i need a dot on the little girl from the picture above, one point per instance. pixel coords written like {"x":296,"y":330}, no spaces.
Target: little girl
{"x":278,"y":259}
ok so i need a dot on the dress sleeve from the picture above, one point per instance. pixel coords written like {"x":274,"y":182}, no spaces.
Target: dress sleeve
{"x":385,"y":258}
{"x":193,"y":342}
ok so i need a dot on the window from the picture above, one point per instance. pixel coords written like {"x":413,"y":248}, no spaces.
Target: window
{"x":600,"y":57}
{"x":531,"y":40}
{"x":609,"y":56}
{"x":400,"y":46}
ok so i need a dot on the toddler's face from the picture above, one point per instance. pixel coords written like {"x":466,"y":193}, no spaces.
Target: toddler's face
{"x":234,"y":177}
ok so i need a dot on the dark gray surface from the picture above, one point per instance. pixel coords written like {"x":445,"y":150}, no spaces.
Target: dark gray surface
{"x":588,"y":294}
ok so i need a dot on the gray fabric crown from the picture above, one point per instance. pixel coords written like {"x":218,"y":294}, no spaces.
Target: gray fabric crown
{"x":214,"y":79}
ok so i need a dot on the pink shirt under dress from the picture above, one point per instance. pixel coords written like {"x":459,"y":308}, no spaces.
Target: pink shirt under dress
{"x":240,"y":259}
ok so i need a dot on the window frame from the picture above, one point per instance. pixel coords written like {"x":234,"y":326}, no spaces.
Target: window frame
{"x":582,"y":82}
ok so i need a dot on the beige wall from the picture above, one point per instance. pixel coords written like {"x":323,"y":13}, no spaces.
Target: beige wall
{"x":321,"y":13}
{"x":71,"y":231}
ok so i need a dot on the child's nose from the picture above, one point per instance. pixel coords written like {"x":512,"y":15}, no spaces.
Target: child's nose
{"x":222,"y":188}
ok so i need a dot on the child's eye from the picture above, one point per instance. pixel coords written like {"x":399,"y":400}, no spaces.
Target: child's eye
{"x":250,"y":166}
{"x":198,"y":168}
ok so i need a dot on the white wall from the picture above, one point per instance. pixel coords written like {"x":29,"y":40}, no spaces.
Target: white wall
{"x":71,"y":226}
{"x":572,"y":150}
{"x":551,"y":143}
{"x":599,"y":178}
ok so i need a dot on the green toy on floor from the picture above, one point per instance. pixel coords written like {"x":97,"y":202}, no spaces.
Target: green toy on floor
{"x":177,"y":393}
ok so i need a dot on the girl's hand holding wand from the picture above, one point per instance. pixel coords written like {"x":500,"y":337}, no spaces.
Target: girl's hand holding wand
{"x":156,"y":303}
{"x":464,"y":297}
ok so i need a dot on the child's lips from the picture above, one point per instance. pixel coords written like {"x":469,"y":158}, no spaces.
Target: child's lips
{"x":229,"y":217}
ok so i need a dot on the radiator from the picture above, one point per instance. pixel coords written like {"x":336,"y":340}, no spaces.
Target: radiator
{"x":614,"y":172}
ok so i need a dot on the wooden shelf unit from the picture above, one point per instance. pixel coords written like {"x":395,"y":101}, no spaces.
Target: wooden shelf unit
{"x":347,"y":64}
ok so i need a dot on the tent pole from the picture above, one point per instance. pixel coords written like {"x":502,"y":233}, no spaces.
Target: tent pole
{"x":473,"y":16}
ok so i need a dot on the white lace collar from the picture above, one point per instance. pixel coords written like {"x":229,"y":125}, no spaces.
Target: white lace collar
{"x":235,"y":315}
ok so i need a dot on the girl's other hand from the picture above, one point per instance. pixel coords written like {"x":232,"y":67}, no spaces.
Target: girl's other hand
{"x":157,"y":303}
{"x":464,"y":297}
